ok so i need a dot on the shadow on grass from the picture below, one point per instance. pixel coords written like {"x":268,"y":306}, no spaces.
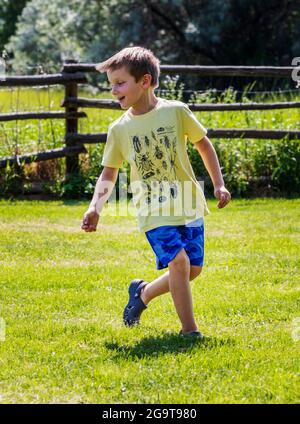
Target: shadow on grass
{"x":168,"y":343}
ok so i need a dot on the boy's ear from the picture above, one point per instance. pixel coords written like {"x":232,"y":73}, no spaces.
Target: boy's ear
{"x":147,"y":79}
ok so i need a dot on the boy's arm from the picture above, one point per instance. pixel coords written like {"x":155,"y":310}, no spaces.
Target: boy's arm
{"x":102,"y":192}
{"x":211,"y":162}
{"x":104,"y":187}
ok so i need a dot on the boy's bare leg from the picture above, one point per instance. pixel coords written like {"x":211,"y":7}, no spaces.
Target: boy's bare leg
{"x":155,"y":288}
{"x":160,"y":285}
{"x":179,"y":283}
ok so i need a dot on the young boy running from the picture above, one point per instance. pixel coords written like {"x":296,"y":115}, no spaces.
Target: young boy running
{"x":151,"y":136}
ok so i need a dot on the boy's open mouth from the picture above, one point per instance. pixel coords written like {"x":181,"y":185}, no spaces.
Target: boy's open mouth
{"x":121,"y":98}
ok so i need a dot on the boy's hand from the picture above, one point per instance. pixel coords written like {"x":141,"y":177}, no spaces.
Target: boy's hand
{"x":223,"y":195}
{"x":90,"y":220}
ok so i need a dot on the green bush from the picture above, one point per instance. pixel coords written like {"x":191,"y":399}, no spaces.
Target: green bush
{"x":11,"y":179}
{"x":254,"y":167}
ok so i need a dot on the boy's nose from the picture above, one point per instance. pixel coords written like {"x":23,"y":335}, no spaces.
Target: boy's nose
{"x":114,"y":91}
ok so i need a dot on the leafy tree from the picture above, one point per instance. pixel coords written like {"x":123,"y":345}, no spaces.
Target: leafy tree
{"x":10,"y":10}
{"x":47,"y":35}
{"x":237,"y":32}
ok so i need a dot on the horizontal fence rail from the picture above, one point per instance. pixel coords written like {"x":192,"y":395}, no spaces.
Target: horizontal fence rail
{"x":80,"y":139}
{"x":40,"y":156}
{"x":20,"y":116}
{"x":236,"y":71}
{"x":112,"y":104}
{"x":212,"y":133}
{"x":32,"y":80}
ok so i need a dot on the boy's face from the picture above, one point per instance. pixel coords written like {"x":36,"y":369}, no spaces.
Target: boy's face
{"x":124,"y":87}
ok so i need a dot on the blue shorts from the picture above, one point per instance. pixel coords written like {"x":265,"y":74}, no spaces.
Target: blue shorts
{"x":167,"y":240}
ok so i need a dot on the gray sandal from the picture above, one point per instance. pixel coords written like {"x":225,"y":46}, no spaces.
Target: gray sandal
{"x":194,"y":334}
{"x":135,"y":306}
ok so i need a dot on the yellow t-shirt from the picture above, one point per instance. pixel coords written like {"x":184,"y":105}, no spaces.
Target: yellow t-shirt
{"x":164,"y":187}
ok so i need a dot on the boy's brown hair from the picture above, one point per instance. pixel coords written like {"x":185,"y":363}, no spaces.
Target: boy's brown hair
{"x":138,"y":61}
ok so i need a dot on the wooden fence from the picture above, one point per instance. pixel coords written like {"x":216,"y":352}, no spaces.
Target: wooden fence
{"x":73,"y":74}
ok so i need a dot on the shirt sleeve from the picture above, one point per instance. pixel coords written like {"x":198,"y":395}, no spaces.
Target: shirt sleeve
{"x":112,"y":155}
{"x":192,"y":128}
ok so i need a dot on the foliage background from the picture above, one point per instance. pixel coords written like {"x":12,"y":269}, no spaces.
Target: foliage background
{"x":38,"y":36}
{"x":204,"y":32}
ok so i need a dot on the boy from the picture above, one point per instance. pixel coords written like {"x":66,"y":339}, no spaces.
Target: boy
{"x":151,"y":135}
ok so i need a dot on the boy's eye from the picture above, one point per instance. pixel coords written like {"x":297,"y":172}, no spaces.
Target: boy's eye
{"x":117,"y":83}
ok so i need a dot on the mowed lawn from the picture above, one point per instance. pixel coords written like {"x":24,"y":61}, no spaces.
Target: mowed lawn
{"x":63,"y":292}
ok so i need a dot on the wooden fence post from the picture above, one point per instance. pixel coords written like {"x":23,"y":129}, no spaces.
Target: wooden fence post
{"x":72,"y":162}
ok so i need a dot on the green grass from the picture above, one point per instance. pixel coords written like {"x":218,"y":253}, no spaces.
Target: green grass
{"x":63,"y":293}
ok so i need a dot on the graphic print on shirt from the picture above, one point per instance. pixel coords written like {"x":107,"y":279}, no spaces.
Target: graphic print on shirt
{"x":155,"y":158}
